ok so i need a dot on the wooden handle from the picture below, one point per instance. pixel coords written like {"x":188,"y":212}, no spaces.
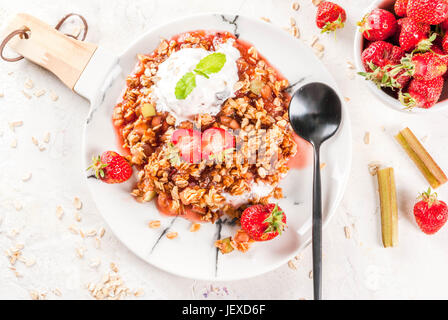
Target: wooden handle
{"x":47,"y":47}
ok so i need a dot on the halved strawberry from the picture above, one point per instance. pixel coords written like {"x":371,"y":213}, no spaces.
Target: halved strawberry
{"x":216,"y":144}
{"x":188,"y":141}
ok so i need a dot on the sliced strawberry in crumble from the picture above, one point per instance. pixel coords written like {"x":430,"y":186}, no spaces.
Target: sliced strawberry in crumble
{"x":215,"y":142}
{"x":188,"y":141}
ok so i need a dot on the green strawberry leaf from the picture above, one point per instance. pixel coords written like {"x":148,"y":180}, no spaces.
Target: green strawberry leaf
{"x":185,"y":85}
{"x":212,"y":63}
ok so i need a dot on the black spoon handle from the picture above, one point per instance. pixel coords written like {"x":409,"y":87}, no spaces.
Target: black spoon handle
{"x":317,"y":227}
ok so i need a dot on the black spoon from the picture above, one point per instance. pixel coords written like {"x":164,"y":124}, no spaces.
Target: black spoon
{"x":315,"y":115}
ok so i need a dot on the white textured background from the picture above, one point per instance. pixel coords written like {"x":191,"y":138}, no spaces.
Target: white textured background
{"x":356,"y":268}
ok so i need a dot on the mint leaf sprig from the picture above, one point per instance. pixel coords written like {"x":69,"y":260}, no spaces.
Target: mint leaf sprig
{"x":213,"y":63}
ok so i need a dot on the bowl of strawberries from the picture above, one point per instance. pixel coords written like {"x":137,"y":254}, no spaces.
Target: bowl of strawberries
{"x":401,"y":46}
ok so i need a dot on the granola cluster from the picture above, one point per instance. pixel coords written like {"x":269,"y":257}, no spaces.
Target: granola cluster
{"x":257,"y":116}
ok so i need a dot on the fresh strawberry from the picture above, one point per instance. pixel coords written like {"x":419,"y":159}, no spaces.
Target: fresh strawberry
{"x":330,"y":16}
{"x":430,"y":213}
{"x":413,"y":34}
{"x":378,"y":25}
{"x":422,"y":94}
{"x":263,"y":222}
{"x":381,"y":54}
{"x":188,"y":141}
{"x":111,"y":167}
{"x":445,"y":44}
{"x":425,"y":66}
{"x":444,"y":25}
{"x":428,"y":11}
{"x":216,"y":144}
{"x":401,"y":7}
{"x":437,"y":49}
{"x":390,"y":76}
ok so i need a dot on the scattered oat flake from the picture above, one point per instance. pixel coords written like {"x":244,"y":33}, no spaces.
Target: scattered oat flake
{"x":29,"y":84}
{"x":13,"y":125}
{"x":154,"y":224}
{"x":97,"y":243}
{"x":351,"y":65}
{"x":348,"y":232}
{"x":57,"y":292}
{"x":373,"y":167}
{"x":367,"y":138}
{"x":53,"y":96}
{"x":80,"y":252}
{"x":171,"y":235}
{"x":59,"y":212}
{"x":317,"y":2}
{"x":1,"y":95}
{"x":27,"y":95}
{"x":265,"y":19}
{"x":95,"y":263}
{"x":39,"y":93}
{"x":292,"y":22}
{"x":35,"y":141}
{"x":292,"y":265}
{"x":18,"y":206}
{"x":42,"y":148}
{"x":295,"y":32}
{"x":347,"y":99}
{"x":30,"y":262}
{"x":13,"y":143}
{"x":78,"y":217}
{"x":47,"y":137}
{"x":310,"y":274}
{"x":139,"y":292}
{"x":73,"y":229}
{"x":101,"y":232}
{"x":91,"y":233}
{"x":323,"y":165}
{"x":27,"y":177}
{"x":77,"y":203}
{"x":295,"y":6}
{"x":34,"y":295}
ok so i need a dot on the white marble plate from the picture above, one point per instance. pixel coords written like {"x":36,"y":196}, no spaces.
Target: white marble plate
{"x":193,"y":255}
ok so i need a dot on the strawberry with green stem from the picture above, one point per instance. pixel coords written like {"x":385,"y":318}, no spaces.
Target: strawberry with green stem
{"x":414,"y":35}
{"x":263,"y":222}
{"x":380,"y":59}
{"x":422,"y":94}
{"x":424,"y":66}
{"x":378,"y":25}
{"x":430,"y":213}
{"x":111,"y":167}
{"x":330,"y":17}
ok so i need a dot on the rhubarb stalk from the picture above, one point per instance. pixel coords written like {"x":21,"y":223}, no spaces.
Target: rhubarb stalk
{"x":426,"y":164}
{"x":388,"y":202}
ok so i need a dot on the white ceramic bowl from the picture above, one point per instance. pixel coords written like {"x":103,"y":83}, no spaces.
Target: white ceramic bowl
{"x":384,"y":97}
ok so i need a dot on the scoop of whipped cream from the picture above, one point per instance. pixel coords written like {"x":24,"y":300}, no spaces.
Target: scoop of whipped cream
{"x":208,"y":95}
